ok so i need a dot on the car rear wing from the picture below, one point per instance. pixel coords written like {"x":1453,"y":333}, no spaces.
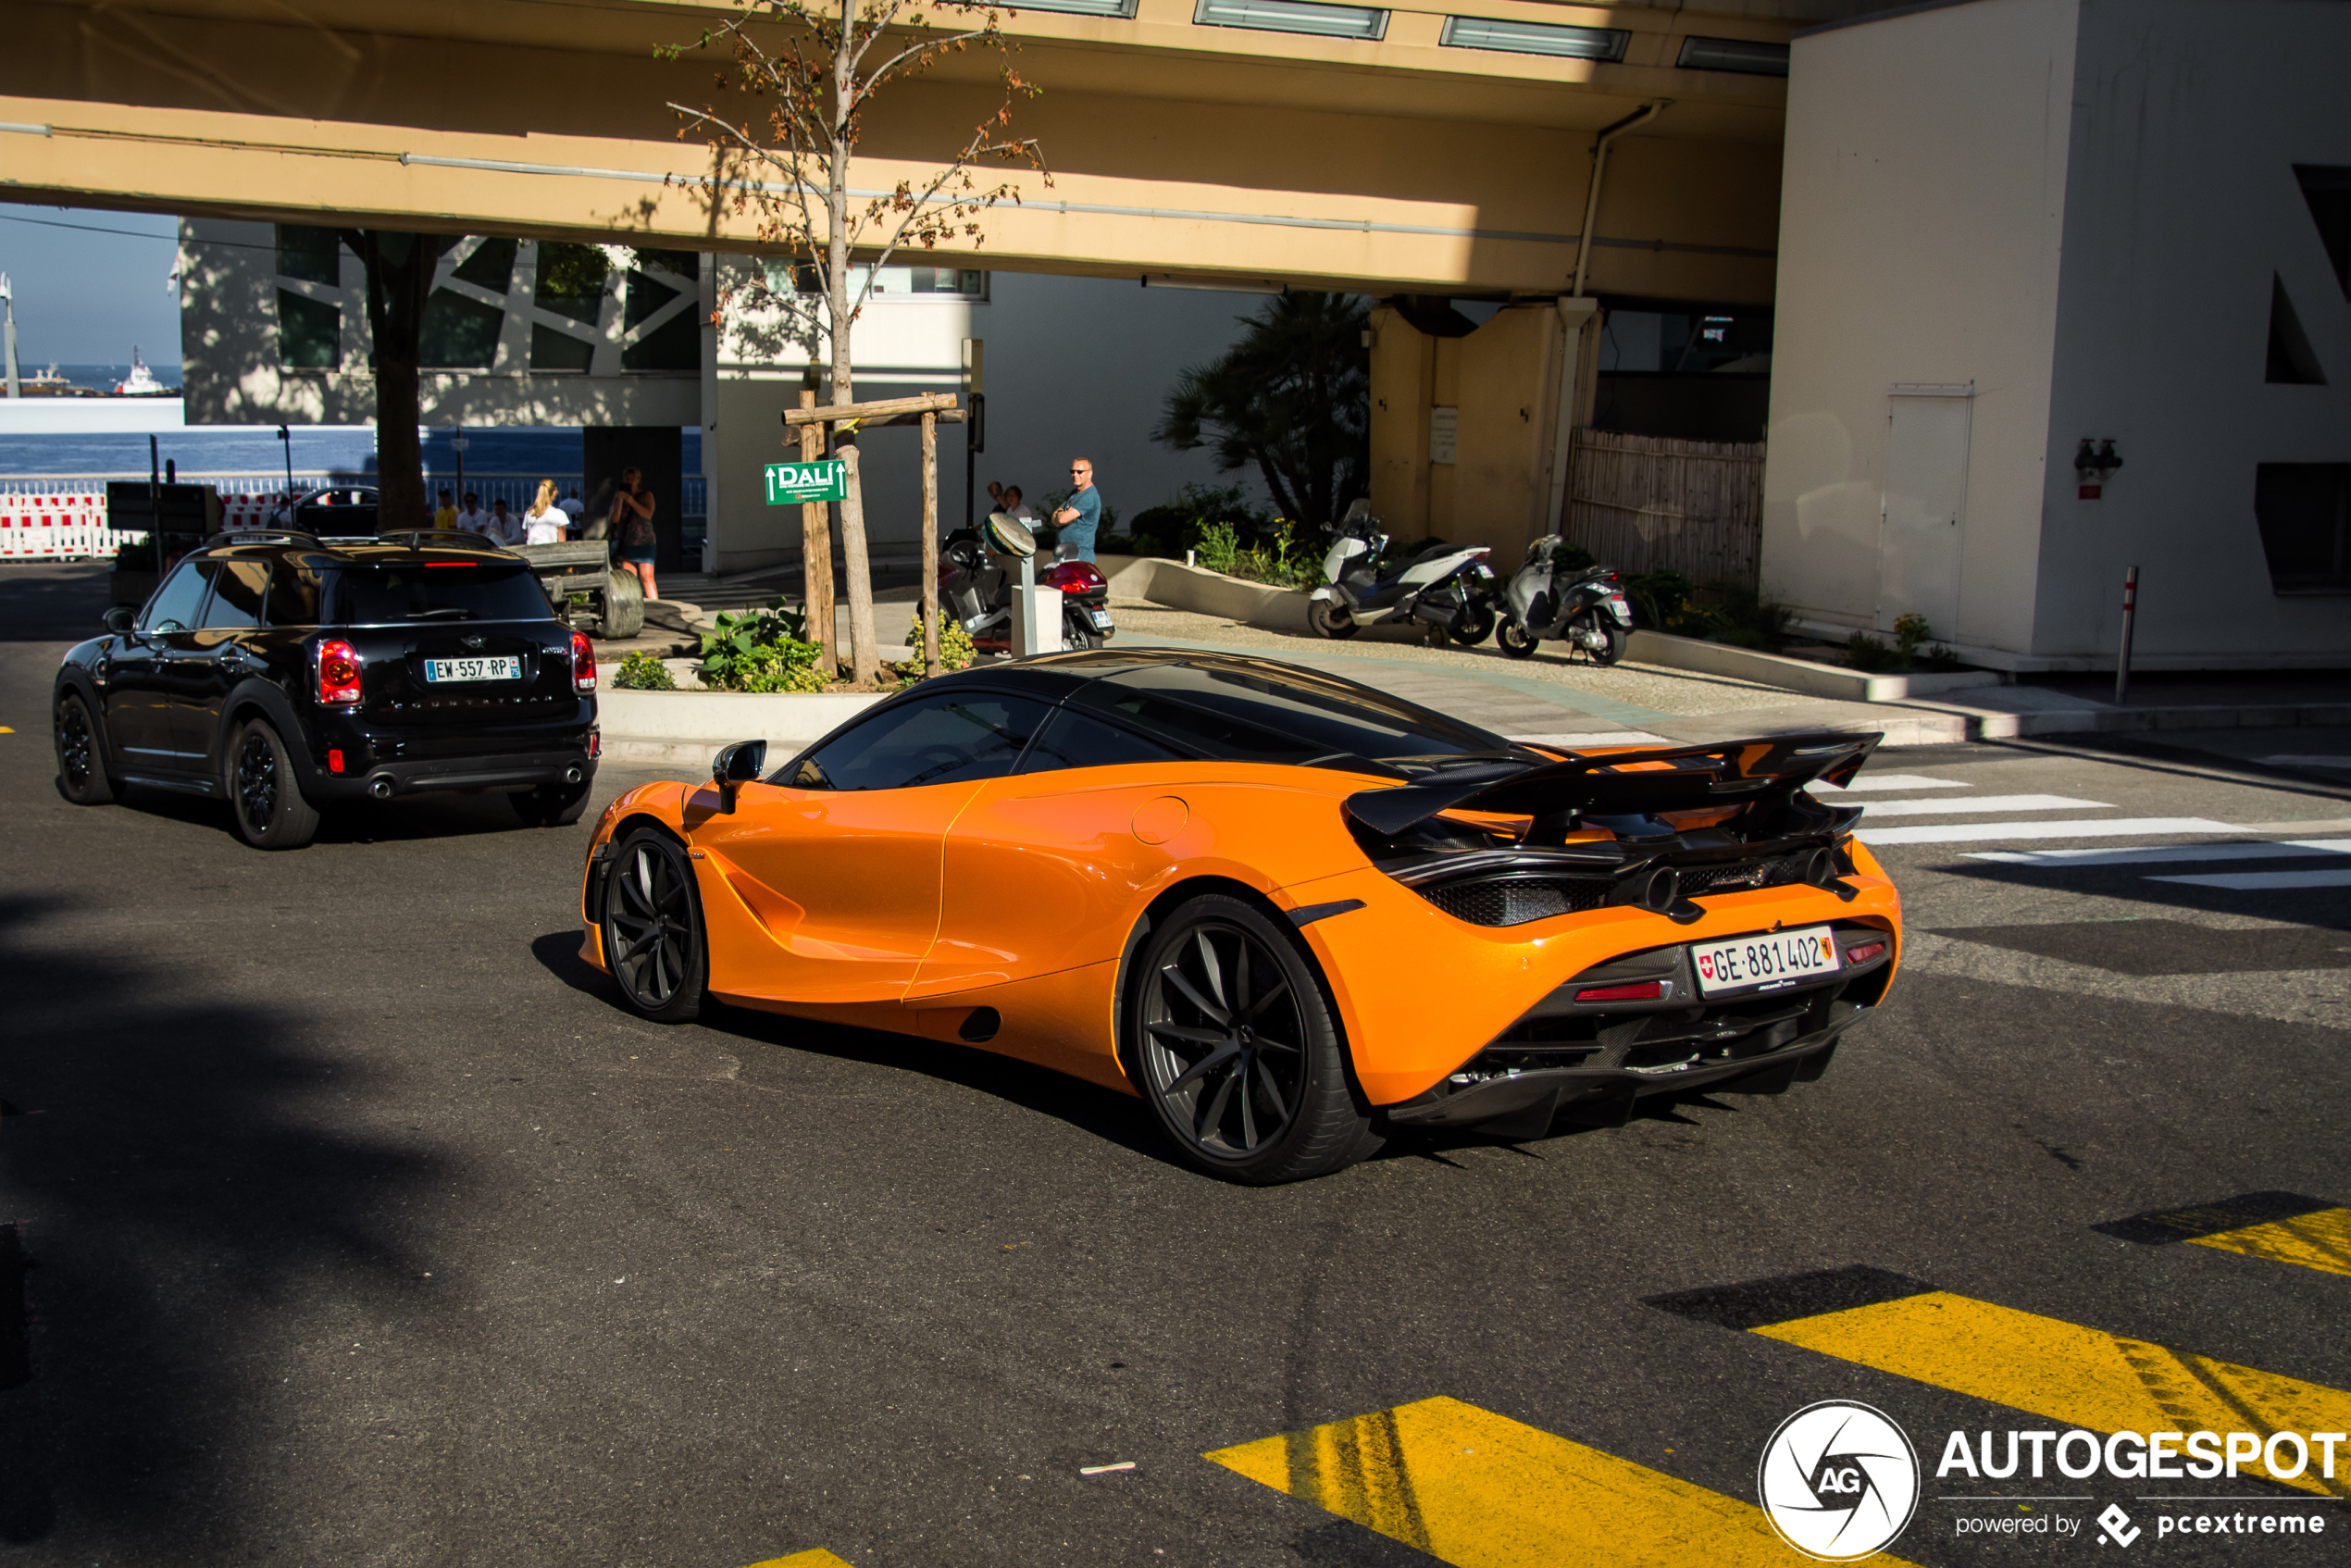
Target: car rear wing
{"x":1764,"y":773}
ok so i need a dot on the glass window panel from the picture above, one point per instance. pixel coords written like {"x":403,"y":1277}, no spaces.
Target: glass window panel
{"x":1083,"y":7}
{"x":294,"y":595}
{"x":395,"y":595}
{"x":676,"y":344}
{"x":314,"y":256}
{"x":490,"y":267}
{"x":553,"y":350}
{"x":237,"y":590}
{"x":952,"y":737}
{"x":1293,"y":15}
{"x":2327,"y":192}
{"x":1074,"y":739}
{"x":309,"y":332}
{"x":175,"y":605}
{"x":1277,"y":717}
{"x":572,"y":279}
{"x":458,"y":333}
{"x":1534,"y":38}
{"x":1734,"y":54}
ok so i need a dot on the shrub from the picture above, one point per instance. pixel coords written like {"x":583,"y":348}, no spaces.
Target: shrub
{"x":1870,"y":654}
{"x":1667,"y":602}
{"x":955,"y":650}
{"x":762,"y":651}
{"x":1278,"y":560}
{"x":1573,"y":558}
{"x":642,"y":672}
{"x":1746,"y":620}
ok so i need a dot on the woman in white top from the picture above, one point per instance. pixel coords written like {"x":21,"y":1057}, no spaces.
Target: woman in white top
{"x":543,"y":524}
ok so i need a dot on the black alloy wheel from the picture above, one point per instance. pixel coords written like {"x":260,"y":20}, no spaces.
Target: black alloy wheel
{"x":552,"y":805}
{"x":82,"y":754}
{"x":264,"y":798}
{"x":1472,"y":626}
{"x":1514,"y":640}
{"x":1234,"y":1051}
{"x":1331,"y":618}
{"x":652,"y":928}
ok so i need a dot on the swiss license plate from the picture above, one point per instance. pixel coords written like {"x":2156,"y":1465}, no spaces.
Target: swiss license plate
{"x":507,"y":668}
{"x":1102,"y":619}
{"x":1767,"y":960}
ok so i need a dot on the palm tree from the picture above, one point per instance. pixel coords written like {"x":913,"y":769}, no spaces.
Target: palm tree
{"x":1293,"y":398}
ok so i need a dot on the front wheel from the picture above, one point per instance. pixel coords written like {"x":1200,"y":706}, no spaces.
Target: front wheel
{"x":1472,"y":626}
{"x":264,"y":795}
{"x":1229,"y":1039}
{"x":1514,"y":640}
{"x":1330,"y":619}
{"x":82,"y":754}
{"x":652,"y":928}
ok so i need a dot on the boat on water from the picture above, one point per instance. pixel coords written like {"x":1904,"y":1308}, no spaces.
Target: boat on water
{"x":141,"y":381}
{"x":48,"y":384}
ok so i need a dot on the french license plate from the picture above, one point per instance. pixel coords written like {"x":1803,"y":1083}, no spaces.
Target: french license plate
{"x":1766,"y":960}
{"x":1102,"y":619}
{"x":507,"y":668}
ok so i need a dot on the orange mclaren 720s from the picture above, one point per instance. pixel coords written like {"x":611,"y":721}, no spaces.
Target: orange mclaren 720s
{"x":1294,"y":916}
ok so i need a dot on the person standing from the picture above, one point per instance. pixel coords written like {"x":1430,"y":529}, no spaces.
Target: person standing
{"x":632,"y":529}
{"x":545,"y":522}
{"x":575,"y":508}
{"x":1080,"y":515}
{"x":446,"y":516}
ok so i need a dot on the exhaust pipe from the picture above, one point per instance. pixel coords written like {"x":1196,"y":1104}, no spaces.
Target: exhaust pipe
{"x":574,"y":773}
{"x":1442,"y":613}
{"x":380,"y":788}
{"x":1654,"y":891}
{"x":1819,"y":868}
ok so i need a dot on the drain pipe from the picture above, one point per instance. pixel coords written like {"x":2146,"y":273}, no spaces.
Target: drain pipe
{"x":1641,"y":116}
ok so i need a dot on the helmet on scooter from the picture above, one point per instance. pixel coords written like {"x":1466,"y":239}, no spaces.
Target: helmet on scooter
{"x":1008,"y":536}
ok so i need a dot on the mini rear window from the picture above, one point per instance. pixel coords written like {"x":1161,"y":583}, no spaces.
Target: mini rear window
{"x":440,"y":592}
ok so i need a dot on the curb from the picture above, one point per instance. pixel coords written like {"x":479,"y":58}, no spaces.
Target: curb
{"x":1807,"y":676}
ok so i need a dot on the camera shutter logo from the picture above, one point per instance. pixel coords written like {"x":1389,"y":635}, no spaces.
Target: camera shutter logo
{"x":1839,"y":1481}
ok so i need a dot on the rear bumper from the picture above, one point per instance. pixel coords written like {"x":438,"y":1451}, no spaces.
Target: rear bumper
{"x":380,"y":761}
{"x":383,"y":780}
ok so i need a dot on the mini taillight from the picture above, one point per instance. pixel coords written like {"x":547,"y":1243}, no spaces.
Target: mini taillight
{"x":1863,"y":953}
{"x":583,"y":663}
{"x":338,"y":673}
{"x":1648,"y":990}
{"x":334,"y":760}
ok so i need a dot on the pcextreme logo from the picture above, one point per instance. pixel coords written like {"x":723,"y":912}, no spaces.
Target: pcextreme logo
{"x":1839,"y":1481}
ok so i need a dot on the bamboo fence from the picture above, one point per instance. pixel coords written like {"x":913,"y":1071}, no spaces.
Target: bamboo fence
{"x":1647,"y":504}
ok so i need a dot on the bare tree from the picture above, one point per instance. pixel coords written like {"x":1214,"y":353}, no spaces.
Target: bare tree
{"x":813,"y":70}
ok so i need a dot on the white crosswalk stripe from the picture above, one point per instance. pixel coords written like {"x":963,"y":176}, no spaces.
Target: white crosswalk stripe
{"x":1870,"y":782}
{"x":2089,"y":828}
{"x":1981,"y":803}
{"x":2259,"y":881}
{"x":2168,"y":854}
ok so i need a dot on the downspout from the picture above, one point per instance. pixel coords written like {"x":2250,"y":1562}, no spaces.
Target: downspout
{"x":1641,"y":116}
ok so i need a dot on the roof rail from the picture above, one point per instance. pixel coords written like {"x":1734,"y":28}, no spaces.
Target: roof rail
{"x":414,"y":538}
{"x":260,"y":536}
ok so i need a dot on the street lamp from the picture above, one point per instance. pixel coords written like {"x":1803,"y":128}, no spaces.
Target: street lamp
{"x":287,"y":441}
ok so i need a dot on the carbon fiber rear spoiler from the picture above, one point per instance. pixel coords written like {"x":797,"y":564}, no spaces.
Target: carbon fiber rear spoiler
{"x":1766,"y":770}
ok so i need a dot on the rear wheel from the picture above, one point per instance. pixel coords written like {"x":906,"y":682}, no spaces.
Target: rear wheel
{"x":264,"y":796}
{"x":1611,"y":647}
{"x":82,"y":754}
{"x":552,"y":805}
{"x":652,"y":928}
{"x":1472,"y":626}
{"x":623,"y":613}
{"x":1514,"y":640}
{"x":1330,"y":619}
{"x":1229,"y":1039}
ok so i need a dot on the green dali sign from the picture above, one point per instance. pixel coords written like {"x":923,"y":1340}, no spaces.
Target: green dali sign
{"x":789,"y":484}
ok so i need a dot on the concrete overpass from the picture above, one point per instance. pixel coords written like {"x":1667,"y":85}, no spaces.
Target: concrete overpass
{"x":1391,"y":163}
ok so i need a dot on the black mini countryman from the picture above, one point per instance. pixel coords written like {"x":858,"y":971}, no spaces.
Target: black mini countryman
{"x":286,"y":672}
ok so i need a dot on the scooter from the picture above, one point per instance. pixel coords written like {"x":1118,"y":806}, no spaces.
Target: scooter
{"x":1585,"y":608}
{"x":978,"y":568}
{"x":1446,"y":586}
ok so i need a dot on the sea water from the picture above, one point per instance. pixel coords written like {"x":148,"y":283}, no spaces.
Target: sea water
{"x":344,"y":451}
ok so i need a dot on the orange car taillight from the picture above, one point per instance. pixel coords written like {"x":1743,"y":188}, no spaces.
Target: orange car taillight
{"x":1647,"y":990}
{"x":1863,"y":953}
{"x":583,"y":663}
{"x":338,"y":665}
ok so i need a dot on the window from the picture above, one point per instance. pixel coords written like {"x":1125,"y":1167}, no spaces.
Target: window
{"x":571,"y":281}
{"x":1083,"y":7}
{"x":553,"y":350}
{"x":309,"y":332}
{"x":966,"y":283}
{"x":2303,"y":510}
{"x":952,"y":737}
{"x":1734,"y":54}
{"x":2327,"y":192}
{"x":1276,"y":716}
{"x":1293,"y":15}
{"x":1534,"y":38}
{"x":294,"y":595}
{"x":676,"y":344}
{"x":238,"y":588}
{"x":175,"y":605}
{"x":458,"y":333}
{"x":2292,"y":362}
{"x":314,"y":256}
{"x":1073,"y":740}
{"x":490,"y":267}
{"x":393,"y":595}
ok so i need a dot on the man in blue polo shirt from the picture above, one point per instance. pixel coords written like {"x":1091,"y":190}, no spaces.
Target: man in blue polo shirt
{"x":1080,"y":515}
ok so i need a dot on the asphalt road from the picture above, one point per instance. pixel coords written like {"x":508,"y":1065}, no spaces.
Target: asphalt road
{"x":355,"y":1223}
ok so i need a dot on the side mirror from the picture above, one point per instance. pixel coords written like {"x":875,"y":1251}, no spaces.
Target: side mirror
{"x":738,"y":765}
{"x":120,"y":618}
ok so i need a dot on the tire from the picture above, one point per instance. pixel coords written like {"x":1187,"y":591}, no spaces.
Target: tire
{"x":1514,"y":640}
{"x":624,"y":610}
{"x":1331,"y":618}
{"x":1616,"y":639}
{"x":1078,"y":635}
{"x":1201,"y":1020}
{"x":552,"y":805}
{"x":653,"y":930}
{"x":1474,"y":626}
{"x":82,"y":770}
{"x":264,"y":796}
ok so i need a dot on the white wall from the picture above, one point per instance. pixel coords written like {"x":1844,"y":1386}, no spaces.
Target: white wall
{"x":2189,"y":117}
{"x":1921,"y":217}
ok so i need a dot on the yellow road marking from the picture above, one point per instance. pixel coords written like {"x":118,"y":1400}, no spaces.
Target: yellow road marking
{"x":2320,"y":1241}
{"x":2084,"y":1377}
{"x":1481,"y":1490}
{"x":815,"y":1557}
